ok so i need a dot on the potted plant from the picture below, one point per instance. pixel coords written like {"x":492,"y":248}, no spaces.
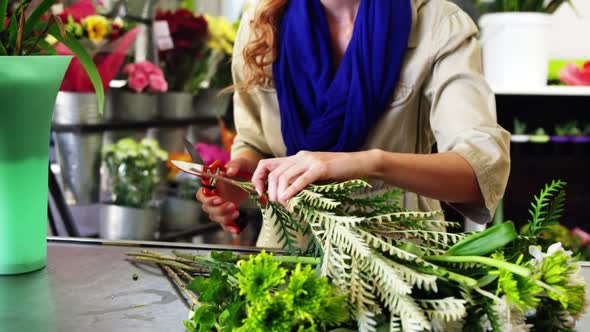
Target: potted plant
{"x":212,"y":101}
{"x":185,"y":63}
{"x":514,"y":40}
{"x":181,"y":210}
{"x":563,"y":136}
{"x":134,"y":170}
{"x":107,"y":41}
{"x":539,"y":139}
{"x":582,"y":142}
{"x":137,"y":100}
{"x":519,"y":137}
{"x":30,"y":76}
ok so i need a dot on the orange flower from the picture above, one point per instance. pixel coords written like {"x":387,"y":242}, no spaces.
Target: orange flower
{"x":172,"y":170}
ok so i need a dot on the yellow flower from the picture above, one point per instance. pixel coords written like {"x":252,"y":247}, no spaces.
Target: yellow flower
{"x":223,"y":34}
{"x":97,"y":27}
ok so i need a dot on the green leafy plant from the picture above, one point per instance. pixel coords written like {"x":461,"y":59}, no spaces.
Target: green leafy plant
{"x":401,"y":270}
{"x":521,"y":5}
{"x":24,"y":36}
{"x":134,"y":170}
{"x":519,"y":127}
{"x":568,"y":129}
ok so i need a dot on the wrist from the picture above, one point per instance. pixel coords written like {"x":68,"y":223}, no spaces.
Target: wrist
{"x":372,"y":161}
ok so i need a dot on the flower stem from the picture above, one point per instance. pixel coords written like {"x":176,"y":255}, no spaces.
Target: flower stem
{"x":297,"y":259}
{"x":516,"y":269}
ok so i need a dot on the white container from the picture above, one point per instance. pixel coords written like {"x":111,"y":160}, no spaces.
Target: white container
{"x":515,"y":49}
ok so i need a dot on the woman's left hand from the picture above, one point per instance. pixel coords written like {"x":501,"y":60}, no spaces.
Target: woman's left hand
{"x":289,"y":175}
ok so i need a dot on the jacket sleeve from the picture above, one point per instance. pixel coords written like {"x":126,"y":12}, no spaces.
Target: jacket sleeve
{"x":463,"y":111}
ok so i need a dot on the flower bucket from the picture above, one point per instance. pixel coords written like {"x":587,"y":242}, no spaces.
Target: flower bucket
{"x":78,"y":154}
{"x":28,"y":88}
{"x":208,"y":103}
{"x":515,"y":49}
{"x":180,"y":214}
{"x":125,"y":223}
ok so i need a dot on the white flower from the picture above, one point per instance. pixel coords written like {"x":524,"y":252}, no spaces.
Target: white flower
{"x":538,"y":255}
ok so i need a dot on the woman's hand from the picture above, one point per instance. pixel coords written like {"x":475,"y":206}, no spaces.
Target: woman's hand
{"x":288,"y":176}
{"x":223,"y":208}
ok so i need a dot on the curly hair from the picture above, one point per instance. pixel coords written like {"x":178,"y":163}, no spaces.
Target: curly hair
{"x":261,"y":51}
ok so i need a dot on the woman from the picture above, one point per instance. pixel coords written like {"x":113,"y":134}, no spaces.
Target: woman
{"x":343,"y":89}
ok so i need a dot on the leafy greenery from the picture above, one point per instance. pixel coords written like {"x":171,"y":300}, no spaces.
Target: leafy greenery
{"x":519,"y":127}
{"x":399,"y":270}
{"x":26,"y":36}
{"x":568,"y":129}
{"x":134,"y":170}
{"x":521,"y":5}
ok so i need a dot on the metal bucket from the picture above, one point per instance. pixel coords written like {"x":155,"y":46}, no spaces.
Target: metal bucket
{"x":210,"y":104}
{"x":130,"y":107}
{"x":125,"y":223}
{"x":78,"y":154}
{"x":180,"y":214}
{"x":172,"y":105}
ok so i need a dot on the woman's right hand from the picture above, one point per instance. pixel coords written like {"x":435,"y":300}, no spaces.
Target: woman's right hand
{"x":223,"y":207}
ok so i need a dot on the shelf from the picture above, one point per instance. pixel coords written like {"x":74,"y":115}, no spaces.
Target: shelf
{"x":116,"y":126}
{"x":575,"y":91}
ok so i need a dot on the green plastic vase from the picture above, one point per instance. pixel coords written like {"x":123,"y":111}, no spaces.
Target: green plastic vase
{"x":28,"y":89}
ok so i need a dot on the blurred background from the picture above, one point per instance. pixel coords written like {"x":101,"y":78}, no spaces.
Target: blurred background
{"x":166,"y":62}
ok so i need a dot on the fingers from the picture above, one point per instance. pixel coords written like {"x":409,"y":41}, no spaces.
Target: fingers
{"x":287,"y":178}
{"x":300,"y":183}
{"x":261,"y":172}
{"x":224,"y":213}
{"x":233,"y":167}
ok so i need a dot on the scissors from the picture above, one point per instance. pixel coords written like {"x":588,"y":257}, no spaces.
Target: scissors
{"x":209,"y":176}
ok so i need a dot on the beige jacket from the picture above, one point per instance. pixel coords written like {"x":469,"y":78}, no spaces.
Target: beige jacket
{"x":442,"y":98}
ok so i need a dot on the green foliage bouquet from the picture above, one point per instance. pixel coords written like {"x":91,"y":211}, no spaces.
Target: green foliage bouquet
{"x":135,"y":170}
{"x":398,"y":270}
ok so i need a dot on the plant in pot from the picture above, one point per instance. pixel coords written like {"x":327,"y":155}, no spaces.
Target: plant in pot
{"x":212,"y":101}
{"x":519,"y":137}
{"x":514,"y":41}
{"x":563,"y":136}
{"x":30,"y":76}
{"x":107,"y":41}
{"x":582,"y":142}
{"x":134,"y":170}
{"x":184,"y":63}
{"x":180,"y":209}
{"x":137,"y":100}
{"x":539,"y":140}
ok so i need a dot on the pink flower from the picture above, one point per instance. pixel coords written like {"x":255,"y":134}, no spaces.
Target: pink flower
{"x":210,"y":152}
{"x":583,"y":236}
{"x":149,"y":68}
{"x":130,"y":68}
{"x":571,"y":74}
{"x":138,"y":81}
{"x":157,"y":83}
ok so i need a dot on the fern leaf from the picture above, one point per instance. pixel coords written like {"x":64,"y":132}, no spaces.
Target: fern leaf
{"x":423,"y":281}
{"x":350,"y":241}
{"x":347,"y":187}
{"x":443,"y":239}
{"x":447,"y":309}
{"x":405,"y":216}
{"x":539,"y":212}
{"x":317,"y":200}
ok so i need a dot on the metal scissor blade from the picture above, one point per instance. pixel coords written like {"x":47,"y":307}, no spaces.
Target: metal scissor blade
{"x":198,"y":170}
{"x":192,"y":151}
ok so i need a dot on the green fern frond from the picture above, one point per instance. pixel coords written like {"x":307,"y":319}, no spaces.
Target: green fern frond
{"x":317,"y":200}
{"x":405,"y":216}
{"x":347,"y":187}
{"x":541,"y":206}
{"x":285,"y":226}
{"x":442,"y":239}
{"x":322,"y":217}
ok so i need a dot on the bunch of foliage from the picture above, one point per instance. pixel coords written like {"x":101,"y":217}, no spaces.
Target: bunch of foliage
{"x":402,"y":271}
{"x":134,"y":170}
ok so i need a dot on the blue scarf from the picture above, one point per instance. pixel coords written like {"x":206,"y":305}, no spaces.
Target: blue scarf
{"x":328,"y":109}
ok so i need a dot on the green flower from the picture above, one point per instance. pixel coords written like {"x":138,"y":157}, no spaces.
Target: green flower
{"x":522,"y":292}
{"x":259,"y":275}
{"x":272,"y":315}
